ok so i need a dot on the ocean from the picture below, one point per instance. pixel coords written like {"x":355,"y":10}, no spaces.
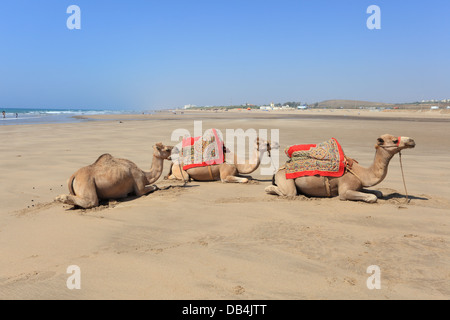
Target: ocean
{"x":15,"y":116}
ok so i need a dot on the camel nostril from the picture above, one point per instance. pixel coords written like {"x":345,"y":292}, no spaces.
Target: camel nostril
{"x":411,"y":143}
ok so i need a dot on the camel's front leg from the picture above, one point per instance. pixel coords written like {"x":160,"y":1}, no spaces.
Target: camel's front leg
{"x":233,"y":179}
{"x":178,"y":173}
{"x":141,"y":190}
{"x":358,"y":196}
{"x":228,"y":174}
{"x":149,"y":189}
{"x":378,"y":194}
{"x":283,"y":187}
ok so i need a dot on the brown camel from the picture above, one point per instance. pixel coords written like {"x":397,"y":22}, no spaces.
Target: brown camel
{"x":113,"y":178}
{"x":226,"y":172}
{"x":350,"y":185}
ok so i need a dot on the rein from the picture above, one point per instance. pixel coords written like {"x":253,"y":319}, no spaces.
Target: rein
{"x":403,"y":174}
{"x":269,"y":153}
{"x":182,"y":175}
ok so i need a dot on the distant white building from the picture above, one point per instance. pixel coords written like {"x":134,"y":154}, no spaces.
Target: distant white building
{"x":265,"y":108}
{"x":188,"y":106}
{"x":434,"y":108}
{"x":302,"y":107}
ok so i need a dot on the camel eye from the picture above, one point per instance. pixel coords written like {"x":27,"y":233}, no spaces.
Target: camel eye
{"x":395,"y":141}
{"x":380,"y":141}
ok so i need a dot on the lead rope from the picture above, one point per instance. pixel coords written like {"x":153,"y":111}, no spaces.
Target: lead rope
{"x":181,"y":169}
{"x":182,"y":174}
{"x":403,"y":177}
{"x":275,"y":169}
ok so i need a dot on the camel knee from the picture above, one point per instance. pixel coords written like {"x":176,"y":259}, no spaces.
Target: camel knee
{"x":273,"y":190}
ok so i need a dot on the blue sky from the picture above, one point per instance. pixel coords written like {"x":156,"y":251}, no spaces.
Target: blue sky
{"x":148,"y":54}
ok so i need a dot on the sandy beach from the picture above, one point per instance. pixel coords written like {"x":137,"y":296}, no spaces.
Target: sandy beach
{"x":211,"y":240}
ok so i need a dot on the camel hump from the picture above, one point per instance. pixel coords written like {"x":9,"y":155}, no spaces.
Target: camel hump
{"x":104,"y":157}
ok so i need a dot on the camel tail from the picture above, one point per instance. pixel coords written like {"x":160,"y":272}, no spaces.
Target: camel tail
{"x":72,"y":192}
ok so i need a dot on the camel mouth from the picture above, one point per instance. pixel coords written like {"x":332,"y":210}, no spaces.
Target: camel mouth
{"x":410,"y":144}
{"x":274,"y":146}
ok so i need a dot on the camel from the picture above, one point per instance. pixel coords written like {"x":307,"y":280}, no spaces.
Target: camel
{"x":226,"y":172}
{"x":350,"y":185}
{"x":113,"y":178}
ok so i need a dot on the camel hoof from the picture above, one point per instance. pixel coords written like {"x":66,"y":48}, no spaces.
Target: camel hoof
{"x":372,"y":199}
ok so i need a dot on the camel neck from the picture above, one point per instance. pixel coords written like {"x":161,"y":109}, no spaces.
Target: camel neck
{"x":155,"y":170}
{"x":378,"y":170}
{"x":252,"y":164}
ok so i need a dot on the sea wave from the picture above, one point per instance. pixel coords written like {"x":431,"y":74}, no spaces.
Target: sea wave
{"x":31,"y":116}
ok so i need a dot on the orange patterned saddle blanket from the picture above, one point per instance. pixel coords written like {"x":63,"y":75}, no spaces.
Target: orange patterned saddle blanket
{"x":325,"y":159}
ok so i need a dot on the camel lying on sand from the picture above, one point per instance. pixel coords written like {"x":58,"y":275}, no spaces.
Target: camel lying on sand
{"x":226,"y":172}
{"x":113,"y":178}
{"x":350,"y":185}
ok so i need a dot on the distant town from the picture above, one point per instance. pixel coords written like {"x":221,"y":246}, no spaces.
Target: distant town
{"x":432,"y":104}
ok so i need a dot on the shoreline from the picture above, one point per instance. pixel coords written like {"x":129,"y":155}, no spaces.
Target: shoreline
{"x":338,"y":114}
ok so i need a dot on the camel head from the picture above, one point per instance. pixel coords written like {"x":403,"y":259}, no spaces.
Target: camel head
{"x":394,"y":144}
{"x":161,"y":151}
{"x":265,"y":145}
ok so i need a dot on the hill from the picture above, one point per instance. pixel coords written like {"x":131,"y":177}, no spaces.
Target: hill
{"x":349,"y":104}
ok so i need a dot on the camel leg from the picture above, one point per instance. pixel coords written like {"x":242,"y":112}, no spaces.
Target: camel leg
{"x":284,"y":187}
{"x":140,"y":186}
{"x":358,"y":196}
{"x":85,"y":203}
{"x":86,"y":198}
{"x":145,"y":190}
{"x":234,"y":179}
{"x":178,"y":173}
{"x":228,"y":174}
{"x":379,"y":194}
